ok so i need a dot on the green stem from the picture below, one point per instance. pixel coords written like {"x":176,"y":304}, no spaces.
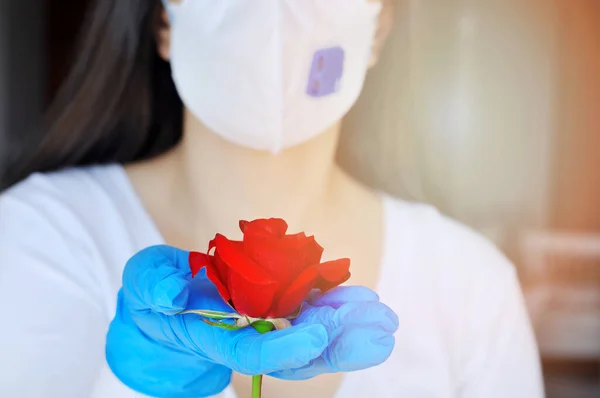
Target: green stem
{"x":262,"y":327}
{"x":257,"y":386}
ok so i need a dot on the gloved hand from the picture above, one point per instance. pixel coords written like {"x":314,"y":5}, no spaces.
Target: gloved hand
{"x":158,"y":353}
{"x":360,"y":332}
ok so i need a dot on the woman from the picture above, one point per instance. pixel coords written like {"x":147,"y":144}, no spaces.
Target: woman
{"x":222,"y":111}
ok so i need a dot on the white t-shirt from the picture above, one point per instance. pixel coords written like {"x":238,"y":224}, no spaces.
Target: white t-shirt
{"x":65,"y":238}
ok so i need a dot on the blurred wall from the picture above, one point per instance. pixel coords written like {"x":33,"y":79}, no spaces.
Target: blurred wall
{"x":468,"y":92}
{"x":576,"y":198}
{"x":484,"y":99}
{"x":378,"y":143}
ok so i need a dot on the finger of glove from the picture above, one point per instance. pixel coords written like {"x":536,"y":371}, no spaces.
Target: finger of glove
{"x":144,"y":364}
{"x":356,"y":348}
{"x":251,"y":353}
{"x":376,"y":315}
{"x":345,"y":294}
{"x":244,"y":351}
{"x":156,"y":279}
{"x":353,"y":328}
{"x":204,"y":295}
{"x":315,"y":368}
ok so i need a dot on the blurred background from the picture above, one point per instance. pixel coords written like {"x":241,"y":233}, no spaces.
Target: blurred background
{"x":487,"y":109}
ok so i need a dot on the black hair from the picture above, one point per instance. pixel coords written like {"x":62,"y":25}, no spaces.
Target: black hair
{"x":119,"y":103}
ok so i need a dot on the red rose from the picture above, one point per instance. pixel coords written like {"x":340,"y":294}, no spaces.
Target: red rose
{"x":268,"y":274}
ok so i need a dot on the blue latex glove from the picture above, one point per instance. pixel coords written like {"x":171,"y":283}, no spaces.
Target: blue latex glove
{"x":161,"y":354}
{"x":360,"y":332}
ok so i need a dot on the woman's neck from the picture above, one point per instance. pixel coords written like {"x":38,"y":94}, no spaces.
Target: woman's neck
{"x":214,"y":183}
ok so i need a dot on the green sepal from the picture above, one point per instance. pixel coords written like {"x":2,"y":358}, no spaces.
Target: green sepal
{"x":263,"y":326}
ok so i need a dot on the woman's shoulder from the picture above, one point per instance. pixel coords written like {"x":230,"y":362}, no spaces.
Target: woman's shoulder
{"x":76,"y":204}
{"x":72,"y":185}
{"x":82,"y":224}
{"x":79,"y":192}
{"x":460,"y":298}
{"x":440,"y":244}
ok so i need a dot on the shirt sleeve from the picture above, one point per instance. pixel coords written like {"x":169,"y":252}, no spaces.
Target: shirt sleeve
{"x":500,"y":358}
{"x":53,"y":327}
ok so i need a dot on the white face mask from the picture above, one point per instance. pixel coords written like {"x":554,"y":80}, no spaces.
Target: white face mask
{"x":271,"y":74}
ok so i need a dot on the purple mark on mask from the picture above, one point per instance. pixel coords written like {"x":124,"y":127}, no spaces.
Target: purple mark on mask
{"x":326,"y":72}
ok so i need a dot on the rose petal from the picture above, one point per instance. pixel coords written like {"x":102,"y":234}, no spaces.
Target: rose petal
{"x":236,"y":260}
{"x":293,"y":242}
{"x":221,"y":268}
{"x":250,"y":298}
{"x":280,"y":259}
{"x":264,"y":227}
{"x":217,"y":272}
{"x":213,"y":271}
{"x":333,"y":273}
{"x":251,"y":289}
{"x":295,"y":294}
{"x":283,"y":258}
{"x":314,"y":251}
{"x":323,"y":276}
{"x":197,"y":262}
